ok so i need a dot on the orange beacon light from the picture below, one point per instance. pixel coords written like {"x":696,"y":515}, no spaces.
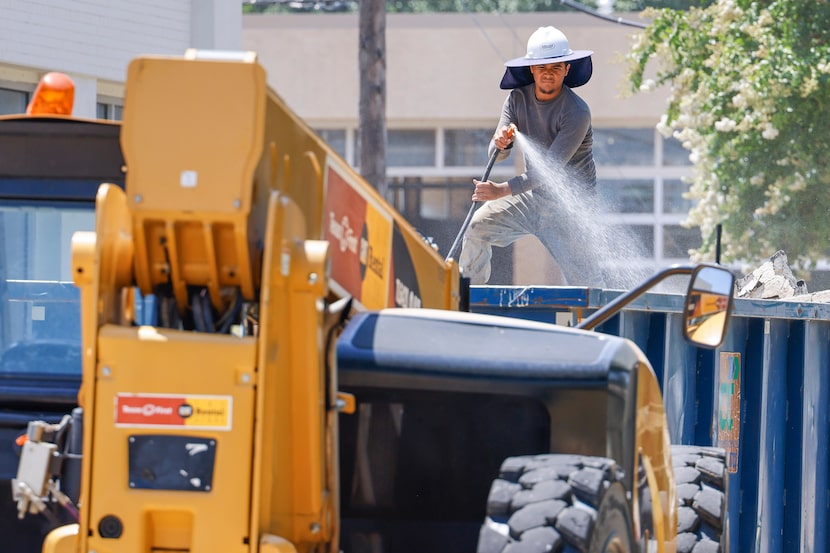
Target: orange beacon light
{"x":55,"y":95}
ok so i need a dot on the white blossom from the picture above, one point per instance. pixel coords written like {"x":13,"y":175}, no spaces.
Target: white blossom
{"x":739,"y":101}
{"x":725,"y":125}
{"x":648,"y":84}
{"x":769,"y":132}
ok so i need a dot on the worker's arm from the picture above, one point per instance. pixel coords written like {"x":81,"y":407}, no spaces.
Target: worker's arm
{"x":489,"y":190}
{"x":504,"y":136}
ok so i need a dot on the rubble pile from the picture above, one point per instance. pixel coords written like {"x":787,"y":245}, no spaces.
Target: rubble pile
{"x":772,"y":280}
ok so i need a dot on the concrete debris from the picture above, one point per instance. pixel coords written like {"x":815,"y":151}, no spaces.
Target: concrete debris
{"x":822,"y":296}
{"x":772,"y":280}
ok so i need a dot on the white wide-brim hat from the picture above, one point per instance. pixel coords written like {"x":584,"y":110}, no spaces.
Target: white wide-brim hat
{"x":548,"y":45}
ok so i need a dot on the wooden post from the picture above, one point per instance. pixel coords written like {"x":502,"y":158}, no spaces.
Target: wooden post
{"x":372,"y":114}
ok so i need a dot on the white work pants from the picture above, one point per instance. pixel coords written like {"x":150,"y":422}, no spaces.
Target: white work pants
{"x":501,"y":222}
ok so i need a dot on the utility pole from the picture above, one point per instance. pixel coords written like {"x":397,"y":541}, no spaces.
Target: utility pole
{"x":372,"y":123}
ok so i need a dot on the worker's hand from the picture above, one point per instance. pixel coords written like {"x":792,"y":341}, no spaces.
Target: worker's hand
{"x":504,"y":137}
{"x":489,"y":190}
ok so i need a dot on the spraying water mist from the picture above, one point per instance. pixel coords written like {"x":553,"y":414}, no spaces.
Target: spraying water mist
{"x":612,"y":248}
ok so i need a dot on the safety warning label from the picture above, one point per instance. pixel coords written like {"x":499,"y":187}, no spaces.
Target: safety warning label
{"x":729,"y":407}
{"x":170,"y":410}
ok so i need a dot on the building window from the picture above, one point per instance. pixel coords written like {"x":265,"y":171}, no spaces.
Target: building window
{"x":673,"y":200}
{"x":627,"y":196}
{"x":438,"y":198}
{"x":642,"y":234}
{"x":13,"y":101}
{"x":627,"y":147}
{"x":410,"y":148}
{"x":336,"y":138}
{"x":678,"y":240}
{"x":641,"y":180}
{"x":674,"y":154}
{"x":109,"y":111}
{"x":455,"y":194}
{"x":465,"y":147}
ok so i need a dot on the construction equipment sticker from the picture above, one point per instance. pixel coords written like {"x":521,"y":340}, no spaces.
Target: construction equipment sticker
{"x":172,"y":410}
{"x":404,"y":290}
{"x":370,"y":255}
{"x":729,"y":407}
{"x":359,"y":230}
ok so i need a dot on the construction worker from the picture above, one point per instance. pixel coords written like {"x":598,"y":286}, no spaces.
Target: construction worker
{"x":559,"y":183}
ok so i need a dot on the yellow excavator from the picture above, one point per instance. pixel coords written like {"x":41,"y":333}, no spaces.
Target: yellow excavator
{"x":273,"y":360}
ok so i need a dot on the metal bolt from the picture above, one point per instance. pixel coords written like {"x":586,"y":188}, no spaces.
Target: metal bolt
{"x":138,"y":199}
{"x":312,"y":278}
{"x":246,"y":378}
{"x":315,"y":527}
{"x":237,"y":204}
{"x":105,"y":371}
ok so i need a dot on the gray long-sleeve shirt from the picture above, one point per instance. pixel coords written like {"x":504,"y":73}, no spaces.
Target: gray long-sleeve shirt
{"x":562,"y":125}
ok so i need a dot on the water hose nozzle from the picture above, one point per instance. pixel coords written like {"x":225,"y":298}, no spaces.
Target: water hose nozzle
{"x":511,"y":130}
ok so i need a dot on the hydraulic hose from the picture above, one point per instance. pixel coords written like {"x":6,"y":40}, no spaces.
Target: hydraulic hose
{"x":456,"y":245}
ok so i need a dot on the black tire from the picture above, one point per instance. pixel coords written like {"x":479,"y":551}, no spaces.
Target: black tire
{"x":557,"y":503}
{"x":701,"y":480}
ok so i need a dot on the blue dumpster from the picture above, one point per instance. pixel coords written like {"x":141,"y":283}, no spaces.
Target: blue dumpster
{"x":763,"y":396}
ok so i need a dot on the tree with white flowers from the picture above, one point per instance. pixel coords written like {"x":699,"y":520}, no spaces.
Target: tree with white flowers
{"x":750,"y":100}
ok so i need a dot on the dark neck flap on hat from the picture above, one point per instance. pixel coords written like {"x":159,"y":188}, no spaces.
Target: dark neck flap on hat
{"x":579,"y":74}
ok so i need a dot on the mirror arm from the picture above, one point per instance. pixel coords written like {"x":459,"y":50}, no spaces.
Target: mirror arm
{"x":615,"y":306}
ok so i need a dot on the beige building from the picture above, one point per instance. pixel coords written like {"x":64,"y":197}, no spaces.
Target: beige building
{"x":442,"y":99}
{"x":443,"y":102}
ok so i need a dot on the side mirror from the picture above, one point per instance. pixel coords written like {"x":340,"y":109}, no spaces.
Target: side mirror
{"x":708,"y":305}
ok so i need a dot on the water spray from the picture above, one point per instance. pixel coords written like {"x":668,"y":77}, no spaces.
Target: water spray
{"x":605,"y":244}
{"x":456,"y":245}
